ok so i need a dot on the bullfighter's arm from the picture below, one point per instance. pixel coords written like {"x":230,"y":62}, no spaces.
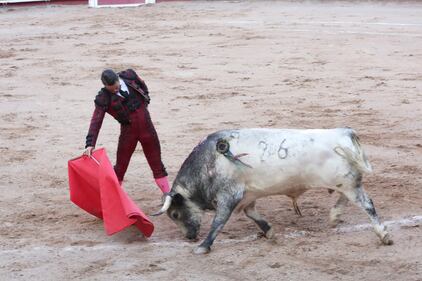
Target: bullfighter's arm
{"x":96,"y":122}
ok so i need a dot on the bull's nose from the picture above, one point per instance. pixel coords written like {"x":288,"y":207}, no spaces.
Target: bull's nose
{"x":191,"y":236}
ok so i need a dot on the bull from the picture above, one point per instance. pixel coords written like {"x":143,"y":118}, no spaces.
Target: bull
{"x":230,"y":169}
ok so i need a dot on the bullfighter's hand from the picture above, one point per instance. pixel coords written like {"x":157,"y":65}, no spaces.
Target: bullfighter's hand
{"x":88,"y":151}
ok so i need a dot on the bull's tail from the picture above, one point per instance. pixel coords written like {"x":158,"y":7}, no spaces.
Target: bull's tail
{"x":355,"y":157}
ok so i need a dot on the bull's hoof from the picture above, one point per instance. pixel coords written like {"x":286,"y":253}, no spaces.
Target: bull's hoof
{"x":381,"y":231}
{"x":335,"y":223}
{"x":334,"y":217}
{"x":270,"y":233}
{"x":386,"y":240}
{"x":202,"y":250}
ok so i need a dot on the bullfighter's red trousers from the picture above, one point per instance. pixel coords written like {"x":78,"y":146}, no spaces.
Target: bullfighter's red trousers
{"x":140,"y":129}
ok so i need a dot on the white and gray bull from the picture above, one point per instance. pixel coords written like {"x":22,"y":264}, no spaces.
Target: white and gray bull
{"x":231,"y":169}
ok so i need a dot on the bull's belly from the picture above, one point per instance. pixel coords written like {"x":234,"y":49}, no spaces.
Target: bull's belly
{"x":293,"y":185}
{"x":285,"y":183}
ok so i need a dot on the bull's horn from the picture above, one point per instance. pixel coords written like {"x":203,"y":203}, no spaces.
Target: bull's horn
{"x":166,"y":205}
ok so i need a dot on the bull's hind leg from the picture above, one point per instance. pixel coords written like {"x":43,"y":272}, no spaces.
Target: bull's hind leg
{"x":337,"y":210}
{"x":250,"y":212}
{"x":359,"y":197}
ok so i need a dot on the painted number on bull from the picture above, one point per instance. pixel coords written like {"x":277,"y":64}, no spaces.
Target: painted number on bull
{"x":282,"y":151}
{"x":271,"y":149}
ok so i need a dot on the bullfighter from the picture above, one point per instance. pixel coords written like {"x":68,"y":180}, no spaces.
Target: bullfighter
{"x":125,"y":96}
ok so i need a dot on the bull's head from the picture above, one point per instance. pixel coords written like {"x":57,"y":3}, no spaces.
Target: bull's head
{"x":183,"y":212}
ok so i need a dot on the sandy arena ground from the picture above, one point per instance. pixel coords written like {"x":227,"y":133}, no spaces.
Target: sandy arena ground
{"x":209,"y":66}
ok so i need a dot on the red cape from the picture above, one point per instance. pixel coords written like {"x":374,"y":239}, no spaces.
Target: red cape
{"x":95,"y":188}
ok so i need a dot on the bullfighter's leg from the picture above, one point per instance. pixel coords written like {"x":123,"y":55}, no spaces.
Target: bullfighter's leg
{"x":250,"y":212}
{"x":359,"y":197}
{"x":150,"y":143}
{"x":227,"y":201}
{"x":125,"y":149}
{"x":337,"y":210}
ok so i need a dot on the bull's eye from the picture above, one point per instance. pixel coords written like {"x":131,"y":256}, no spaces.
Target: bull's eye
{"x":223,"y":146}
{"x":175,"y":215}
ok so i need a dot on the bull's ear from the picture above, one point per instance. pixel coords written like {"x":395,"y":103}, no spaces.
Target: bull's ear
{"x":178,"y":199}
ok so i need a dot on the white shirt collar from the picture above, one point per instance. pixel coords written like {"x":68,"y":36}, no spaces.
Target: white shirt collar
{"x":123,"y":87}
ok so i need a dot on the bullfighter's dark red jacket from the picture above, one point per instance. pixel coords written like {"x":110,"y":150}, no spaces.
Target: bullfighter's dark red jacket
{"x":136,"y":125}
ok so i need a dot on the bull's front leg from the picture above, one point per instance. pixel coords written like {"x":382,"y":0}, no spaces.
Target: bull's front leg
{"x":226,"y":203}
